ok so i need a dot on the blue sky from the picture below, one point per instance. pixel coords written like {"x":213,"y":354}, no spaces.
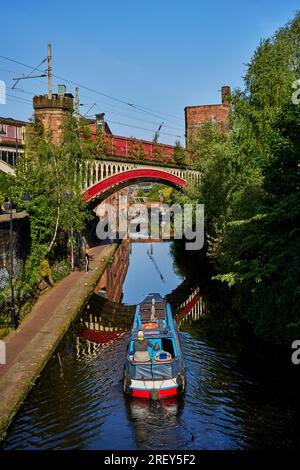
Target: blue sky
{"x":160,"y":55}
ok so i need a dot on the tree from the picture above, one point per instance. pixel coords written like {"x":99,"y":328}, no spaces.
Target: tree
{"x":102,"y":146}
{"x":50,"y":174}
{"x":250,"y":188}
{"x":5,"y":183}
{"x":136,"y":150}
{"x":179,"y":154}
{"x":157,"y":153}
{"x":140,"y":193}
{"x":154,"y":193}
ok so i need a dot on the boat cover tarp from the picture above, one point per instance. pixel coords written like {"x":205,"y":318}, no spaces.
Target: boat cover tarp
{"x":154,"y":371}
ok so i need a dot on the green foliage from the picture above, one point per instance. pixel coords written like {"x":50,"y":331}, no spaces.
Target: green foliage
{"x":102,"y":146}
{"x":179,"y":154}
{"x":2,"y":200}
{"x":51,"y":175}
{"x":140,"y":193}
{"x":4,"y":331}
{"x":167,"y":192}
{"x":48,"y":172}
{"x":250,"y":188}
{"x":136,"y":150}
{"x":5,"y":182}
{"x":157,"y":153}
{"x":154,"y":193}
{"x":160,"y":192}
{"x":60,"y":270}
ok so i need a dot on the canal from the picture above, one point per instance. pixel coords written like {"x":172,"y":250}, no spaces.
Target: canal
{"x":78,"y":402}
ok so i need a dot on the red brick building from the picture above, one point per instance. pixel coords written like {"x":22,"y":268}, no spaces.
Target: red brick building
{"x":196,"y":116}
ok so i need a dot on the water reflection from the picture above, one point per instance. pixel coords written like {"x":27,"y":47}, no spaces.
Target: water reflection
{"x":144,"y":276}
{"x":78,"y":402}
{"x":110,"y":286}
{"x":156,"y":423}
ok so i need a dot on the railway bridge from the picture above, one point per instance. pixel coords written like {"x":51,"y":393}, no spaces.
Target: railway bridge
{"x":102,"y":177}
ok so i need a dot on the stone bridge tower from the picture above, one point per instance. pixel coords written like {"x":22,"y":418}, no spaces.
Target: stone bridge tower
{"x":51,"y":110}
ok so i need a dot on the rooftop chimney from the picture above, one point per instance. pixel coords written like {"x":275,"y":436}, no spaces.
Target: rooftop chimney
{"x":100,"y":122}
{"x":61,"y":90}
{"x":226,"y":94}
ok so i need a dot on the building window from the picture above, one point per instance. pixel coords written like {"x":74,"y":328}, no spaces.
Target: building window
{"x":4,"y":129}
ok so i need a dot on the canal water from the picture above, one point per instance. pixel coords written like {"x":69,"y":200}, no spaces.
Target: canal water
{"x":78,"y":402}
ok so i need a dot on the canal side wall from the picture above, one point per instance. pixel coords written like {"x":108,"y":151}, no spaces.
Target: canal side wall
{"x":35,"y":341}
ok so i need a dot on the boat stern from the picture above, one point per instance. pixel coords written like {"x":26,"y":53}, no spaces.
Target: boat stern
{"x":154,"y":389}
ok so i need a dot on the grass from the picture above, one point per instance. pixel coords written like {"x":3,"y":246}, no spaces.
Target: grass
{"x":4,"y":331}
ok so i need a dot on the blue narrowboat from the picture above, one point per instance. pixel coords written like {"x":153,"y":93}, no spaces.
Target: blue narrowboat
{"x":161,"y":373}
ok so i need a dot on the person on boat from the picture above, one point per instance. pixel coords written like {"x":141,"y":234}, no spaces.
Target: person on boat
{"x":141,"y":346}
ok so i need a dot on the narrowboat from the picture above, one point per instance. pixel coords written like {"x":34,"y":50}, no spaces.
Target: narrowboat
{"x":161,"y":373}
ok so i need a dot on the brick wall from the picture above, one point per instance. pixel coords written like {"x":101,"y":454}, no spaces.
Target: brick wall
{"x":112,"y":280}
{"x":52,"y":112}
{"x":196,"y":116}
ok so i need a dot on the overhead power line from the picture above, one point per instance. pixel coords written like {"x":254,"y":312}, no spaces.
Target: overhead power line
{"x":142,"y":128}
{"x":18,"y":100}
{"x":29,"y":75}
{"x":114,"y":98}
{"x":112,"y":112}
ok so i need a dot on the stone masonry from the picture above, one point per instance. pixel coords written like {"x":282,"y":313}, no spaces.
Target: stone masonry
{"x":51,"y":112}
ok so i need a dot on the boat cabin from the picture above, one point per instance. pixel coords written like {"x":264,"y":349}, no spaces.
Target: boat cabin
{"x":159,"y":372}
{"x":154,"y":318}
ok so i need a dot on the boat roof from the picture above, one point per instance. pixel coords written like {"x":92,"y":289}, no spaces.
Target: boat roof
{"x":163,"y":318}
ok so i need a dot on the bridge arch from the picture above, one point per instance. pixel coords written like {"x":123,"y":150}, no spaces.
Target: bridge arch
{"x":102,"y":189}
